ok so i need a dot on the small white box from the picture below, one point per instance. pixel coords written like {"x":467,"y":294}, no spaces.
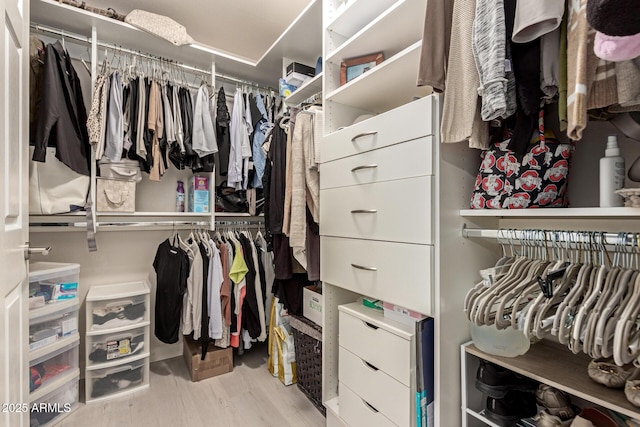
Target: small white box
{"x":401,"y":314}
{"x":312,"y":303}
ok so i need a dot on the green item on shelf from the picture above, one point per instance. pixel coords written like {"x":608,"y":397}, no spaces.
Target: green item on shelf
{"x":372,"y":303}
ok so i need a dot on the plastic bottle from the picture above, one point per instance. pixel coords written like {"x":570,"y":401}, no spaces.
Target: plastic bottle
{"x":611,"y":174}
{"x":180,"y":197}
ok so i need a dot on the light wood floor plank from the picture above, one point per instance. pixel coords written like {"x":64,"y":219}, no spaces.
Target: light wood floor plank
{"x":248,"y":396}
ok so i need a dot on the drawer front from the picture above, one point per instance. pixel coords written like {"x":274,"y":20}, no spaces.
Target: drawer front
{"x":406,"y":160}
{"x":410,"y":121}
{"x":402,"y":276}
{"x":387,"y":395}
{"x":390,"y":211}
{"x":382,"y":349}
{"x":356,"y":412}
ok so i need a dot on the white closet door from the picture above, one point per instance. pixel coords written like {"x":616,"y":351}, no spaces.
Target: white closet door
{"x":14,"y":212}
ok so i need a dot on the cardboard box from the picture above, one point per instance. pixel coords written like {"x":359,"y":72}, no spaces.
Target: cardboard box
{"x":312,"y":303}
{"x":198,"y":194}
{"x":218,"y":361}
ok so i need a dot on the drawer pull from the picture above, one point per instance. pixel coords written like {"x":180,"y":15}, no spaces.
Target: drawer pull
{"x":374,"y":410}
{"x":372,"y":166}
{"x":360,"y":135}
{"x":364,"y":211}
{"x":370,"y":325}
{"x":370,"y":366}
{"x":359,"y":267}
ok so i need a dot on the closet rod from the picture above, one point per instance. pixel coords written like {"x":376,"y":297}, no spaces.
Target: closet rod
{"x":197,"y":70}
{"x":558,"y":236}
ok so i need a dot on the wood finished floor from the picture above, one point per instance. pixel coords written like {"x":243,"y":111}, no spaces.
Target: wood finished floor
{"x":248,"y":396}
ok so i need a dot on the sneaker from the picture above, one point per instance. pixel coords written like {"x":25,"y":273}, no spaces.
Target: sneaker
{"x":496,"y":381}
{"x":545,"y":419}
{"x":557,"y":403}
{"x":591,"y":417}
{"x":513,"y":407}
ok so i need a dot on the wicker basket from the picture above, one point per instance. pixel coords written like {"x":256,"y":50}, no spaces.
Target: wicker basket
{"x":308,"y":341}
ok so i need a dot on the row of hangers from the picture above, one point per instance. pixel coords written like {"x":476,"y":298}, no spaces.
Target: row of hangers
{"x":575,"y":292}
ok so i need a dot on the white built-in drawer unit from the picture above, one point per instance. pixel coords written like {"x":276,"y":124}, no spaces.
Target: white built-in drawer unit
{"x":399,"y":273}
{"x":376,"y":387}
{"x":389,"y":211}
{"x":410,"y":121}
{"x":358,"y":412}
{"x":383,"y":343}
{"x":404,"y":160}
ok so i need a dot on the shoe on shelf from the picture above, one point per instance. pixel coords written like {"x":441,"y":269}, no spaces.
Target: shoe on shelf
{"x":606,"y":372}
{"x":556,"y":402}
{"x":545,"y":419}
{"x":496,"y":381}
{"x":514,"y":406}
{"x":632,"y":389}
{"x":591,"y":417}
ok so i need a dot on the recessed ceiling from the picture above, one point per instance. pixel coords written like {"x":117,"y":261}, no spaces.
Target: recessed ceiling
{"x":243,"y":28}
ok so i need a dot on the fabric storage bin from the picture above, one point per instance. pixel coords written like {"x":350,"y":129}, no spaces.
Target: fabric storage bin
{"x":115,"y":380}
{"x":47,"y":326}
{"x":123,"y":169}
{"x":117,"y":346}
{"x":45,"y":369}
{"x":51,"y":282}
{"x":115,"y":195}
{"x":59,"y":403}
{"x":116,"y":313}
{"x":308,"y":343}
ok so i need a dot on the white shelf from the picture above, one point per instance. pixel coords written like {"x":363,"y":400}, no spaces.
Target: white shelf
{"x":481,"y":417}
{"x":95,"y":332}
{"x":310,"y":87}
{"x":555,"y":365}
{"x":382,"y":35}
{"x":117,"y":362}
{"x":59,"y":381}
{"x":116,"y":291}
{"x":239,"y":214}
{"x":54,"y":307}
{"x":154,"y":214}
{"x":356,"y":15}
{"x":377,"y":318}
{"x":333,"y":406}
{"x":397,"y":73}
{"x":594,"y":212}
{"x":61,"y":343}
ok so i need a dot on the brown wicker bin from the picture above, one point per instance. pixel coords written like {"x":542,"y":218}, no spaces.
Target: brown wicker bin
{"x":308,"y":341}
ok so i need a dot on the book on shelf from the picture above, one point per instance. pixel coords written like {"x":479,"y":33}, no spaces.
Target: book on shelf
{"x":424,"y":373}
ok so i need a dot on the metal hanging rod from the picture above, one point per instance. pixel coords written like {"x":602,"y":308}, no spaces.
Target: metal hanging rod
{"x":557,"y":236}
{"x":191,"y":68}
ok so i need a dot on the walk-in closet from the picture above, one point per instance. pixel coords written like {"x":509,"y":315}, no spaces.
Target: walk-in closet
{"x":320,"y":212}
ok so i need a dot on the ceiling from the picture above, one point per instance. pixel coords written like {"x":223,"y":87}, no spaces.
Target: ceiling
{"x":243,"y":28}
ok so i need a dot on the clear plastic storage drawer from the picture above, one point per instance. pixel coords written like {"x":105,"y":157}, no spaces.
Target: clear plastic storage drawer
{"x":115,"y":380}
{"x":51,"y":282}
{"x":117,"y":306}
{"x":50,"y":323}
{"x":50,"y":408}
{"x":45,"y":369}
{"x":116,"y":346}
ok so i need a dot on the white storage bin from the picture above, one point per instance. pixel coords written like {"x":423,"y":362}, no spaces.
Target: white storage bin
{"x":51,"y":282}
{"x":52,"y":407}
{"x":117,"y":307}
{"x":117,"y":380}
{"x":52,"y":322}
{"x":107,"y":348}
{"x":45,"y":369}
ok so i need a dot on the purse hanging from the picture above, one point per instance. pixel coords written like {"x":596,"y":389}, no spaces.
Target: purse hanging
{"x":538,"y":179}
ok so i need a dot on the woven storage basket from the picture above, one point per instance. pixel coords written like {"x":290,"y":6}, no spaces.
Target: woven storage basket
{"x":308,"y":341}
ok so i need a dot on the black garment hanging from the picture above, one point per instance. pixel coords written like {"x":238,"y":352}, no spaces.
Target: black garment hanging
{"x":62,"y":117}
{"x":172,"y":269}
{"x":204,"y":319}
{"x":133,"y":117}
{"x":223,"y":120}
{"x":250,"y":313}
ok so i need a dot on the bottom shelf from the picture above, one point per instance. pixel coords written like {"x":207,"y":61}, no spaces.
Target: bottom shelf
{"x":553,"y":364}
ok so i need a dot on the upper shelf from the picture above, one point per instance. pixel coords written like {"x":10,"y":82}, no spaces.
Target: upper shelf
{"x":356,"y":15}
{"x":309,"y":88}
{"x":555,"y":365}
{"x":553,"y":213}
{"x":398,"y":73}
{"x":382,"y":35}
{"x":301,"y":41}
